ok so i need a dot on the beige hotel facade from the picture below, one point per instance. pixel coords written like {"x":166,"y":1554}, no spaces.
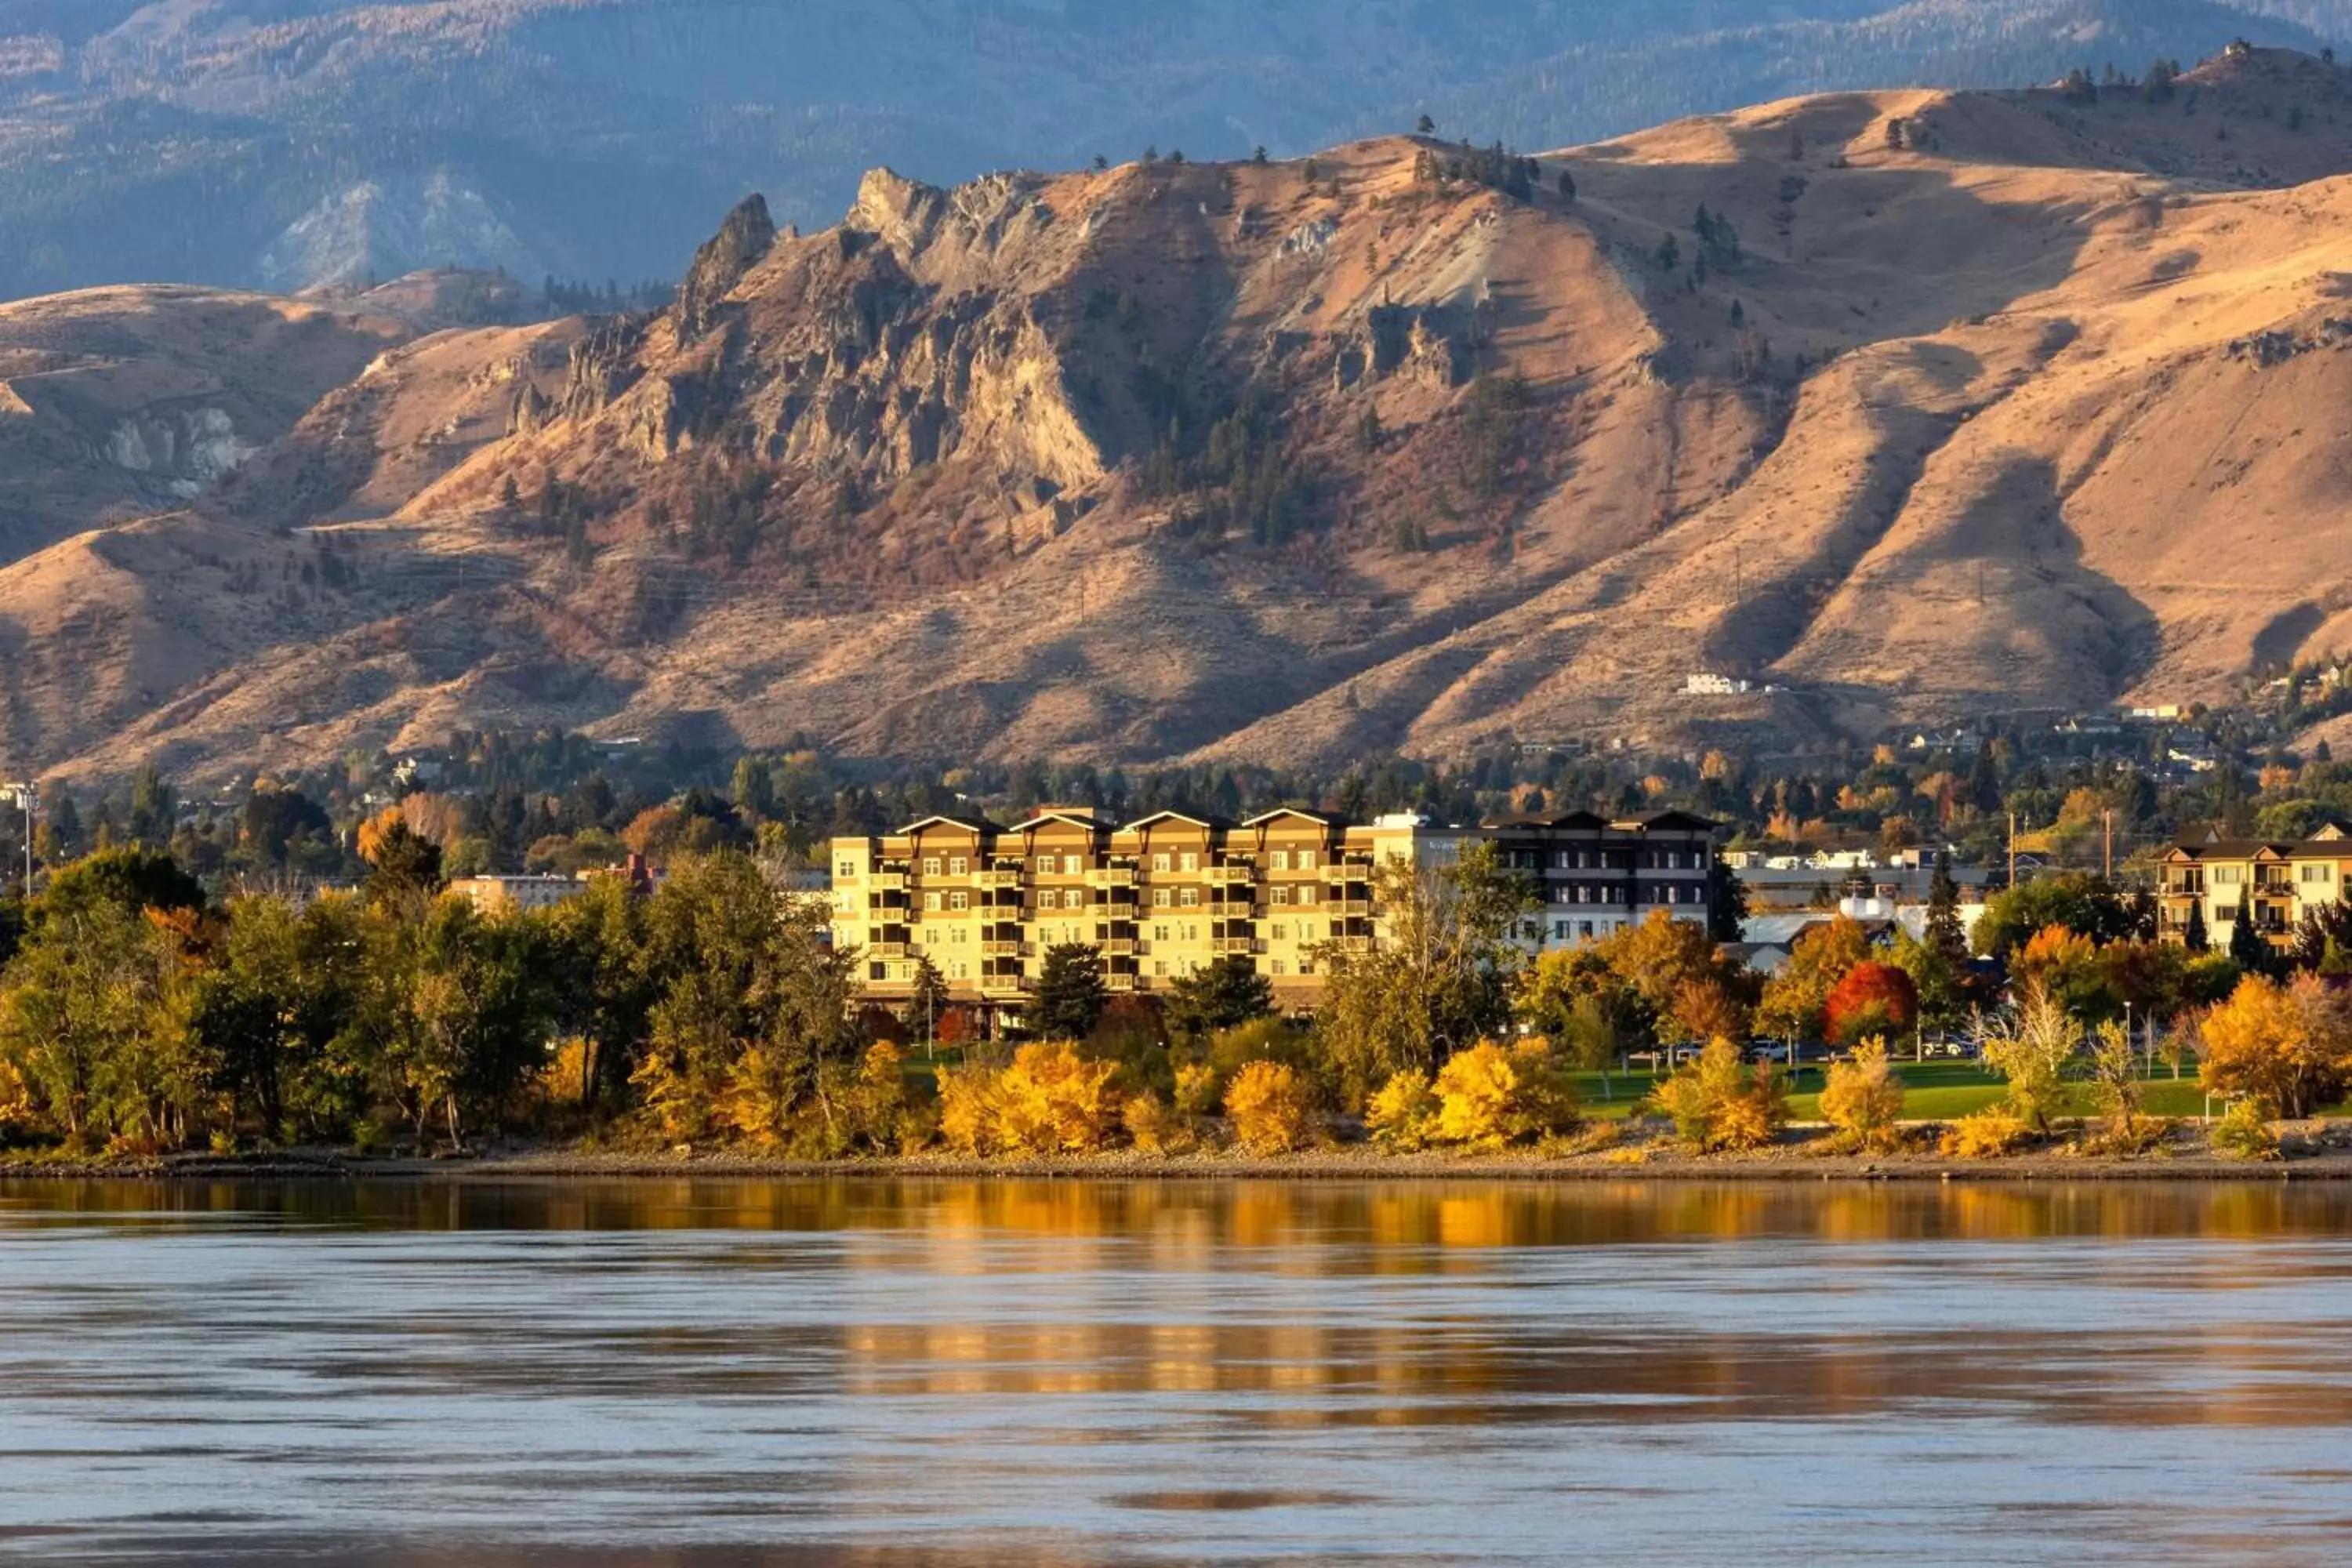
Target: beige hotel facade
{"x":1171,"y":893}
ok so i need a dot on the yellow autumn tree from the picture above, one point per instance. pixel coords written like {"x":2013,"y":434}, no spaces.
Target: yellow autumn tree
{"x":1719,"y":1103}
{"x":2287,"y":1047}
{"x":1272,"y":1106}
{"x":1052,"y":1101}
{"x":968,"y":1097}
{"x":1489,"y":1097}
{"x":1862,"y":1099}
{"x":1403,"y":1114}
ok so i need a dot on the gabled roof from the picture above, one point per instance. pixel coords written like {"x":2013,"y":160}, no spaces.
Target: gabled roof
{"x":969,"y":824}
{"x":1319,"y":818}
{"x":1578,"y":820}
{"x":1085,"y":819}
{"x":1195,"y":818}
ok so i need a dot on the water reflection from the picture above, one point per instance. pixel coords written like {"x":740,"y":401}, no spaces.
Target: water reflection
{"x":971,"y":1371}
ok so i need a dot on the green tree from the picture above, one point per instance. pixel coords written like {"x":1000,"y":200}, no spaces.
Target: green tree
{"x":2247,"y":948}
{"x":1727,"y":901}
{"x":1227,"y":991}
{"x":2088,"y":906}
{"x":1071,"y":996}
{"x":128,"y":880}
{"x":93,"y":1014}
{"x":929,"y":1000}
{"x":1440,"y":978}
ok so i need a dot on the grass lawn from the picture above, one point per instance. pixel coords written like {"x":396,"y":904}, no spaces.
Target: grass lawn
{"x":1932,"y":1091}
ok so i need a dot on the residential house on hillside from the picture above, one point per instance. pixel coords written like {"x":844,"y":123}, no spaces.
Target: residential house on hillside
{"x":2277,"y":882}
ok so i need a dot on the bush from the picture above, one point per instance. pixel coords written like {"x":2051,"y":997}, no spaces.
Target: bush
{"x":1261,"y":1040}
{"x":1718,"y":1103}
{"x":1404,"y":1113}
{"x":1489,"y":1097}
{"x":1271,"y":1107}
{"x":2244,"y":1133}
{"x":1863,"y":1098}
{"x":967,"y":1109}
{"x":1157,"y":1127}
{"x":1196,"y":1089}
{"x":1985,"y":1135}
{"x":1052,"y":1101}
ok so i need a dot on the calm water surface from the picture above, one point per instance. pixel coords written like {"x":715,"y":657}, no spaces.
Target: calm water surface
{"x":934,"y":1375}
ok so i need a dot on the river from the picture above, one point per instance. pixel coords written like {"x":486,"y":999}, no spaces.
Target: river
{"x":938,"y":1375}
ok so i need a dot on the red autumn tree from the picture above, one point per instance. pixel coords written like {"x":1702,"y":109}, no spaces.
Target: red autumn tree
{"x":1871,"y":998}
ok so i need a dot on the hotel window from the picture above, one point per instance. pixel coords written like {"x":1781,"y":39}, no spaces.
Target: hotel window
{"x":1306,"y":966}
{"x":1281,"y":933}
{"x":846,"y":869}
{"x":962,"y":969}
{"x":1279,"y":896}
{"x":1191,"y":933}
{"x":1305,"y":933}
{"x":1282,"y":859}
{"x":1160,"y":933}
{"x":930,"y":901}
{"x":1164,"y":863}
{"x":1306,"y":892}
{"x":1307,"y":859}
{"x":2317,"y":873}
{"x":1279,"y":968}
{"x":1160,"y":899}
{"x":1191,"y":862}
{"x":1160,"y":966}
{"x":1190,"y":897}
{"x":930,"y":866}
{"x":1072,"y":864}
{"x":959,"y":901}
{"x":1049,"y":900}
{"x":1075,"y":899}
{"x":2227,"y":876}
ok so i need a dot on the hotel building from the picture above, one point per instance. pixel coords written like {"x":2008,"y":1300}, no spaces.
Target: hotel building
{"x":2279,"y":881}
{"x":1169,"y":893}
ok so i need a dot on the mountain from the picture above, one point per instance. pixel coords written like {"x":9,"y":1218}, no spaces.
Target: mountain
{"x":283,"y":143}
{"x":1906,"y":406}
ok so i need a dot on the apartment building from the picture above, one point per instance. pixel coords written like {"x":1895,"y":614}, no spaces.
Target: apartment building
{"x":1171,"y":893}
{"x":2279,"y":881}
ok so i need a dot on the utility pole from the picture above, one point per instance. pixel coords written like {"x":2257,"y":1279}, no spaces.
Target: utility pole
{"x":2012,"y":849}
{"x":2108,"y":856}
{"x":28,"y":798}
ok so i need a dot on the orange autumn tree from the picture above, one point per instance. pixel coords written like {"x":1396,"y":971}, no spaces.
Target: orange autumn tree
{"x":1871,"y":998}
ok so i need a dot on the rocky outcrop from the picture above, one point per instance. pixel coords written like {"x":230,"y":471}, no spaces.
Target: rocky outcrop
{"x":745,"y":237}
{"x":600,"y":367}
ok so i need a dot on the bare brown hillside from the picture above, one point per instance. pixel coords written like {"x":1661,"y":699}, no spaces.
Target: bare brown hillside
{"x":2033,"y":400}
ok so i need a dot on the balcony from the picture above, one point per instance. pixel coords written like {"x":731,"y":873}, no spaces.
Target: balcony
{"x":1000,"y":879}
{"x":1231,"y":873}
{"x":1000,"y":950}
{"x":2185,"y":891}
{"x":1111,"y":877}
{"x":1121,"y":947}
{"x":885,"y":950}
{"x":1121,"y":981}
{"x":887,"y":881}
{"x":1222,"y":944}
{"x":1357,"y":907}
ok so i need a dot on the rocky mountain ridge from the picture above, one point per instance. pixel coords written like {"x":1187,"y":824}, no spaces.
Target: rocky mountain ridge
{"x":1895,"y":406}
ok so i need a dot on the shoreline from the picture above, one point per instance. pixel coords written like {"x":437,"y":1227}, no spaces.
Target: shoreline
{"x":1783,"y":1165}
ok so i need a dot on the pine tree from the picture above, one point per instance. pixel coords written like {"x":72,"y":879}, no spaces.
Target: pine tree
{"x":2247,"y":947}
{"x":1943,"y":932}
{"x":1071,"y":996}
{"x":2195,"y":935}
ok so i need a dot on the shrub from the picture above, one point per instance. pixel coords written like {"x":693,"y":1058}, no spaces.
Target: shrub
{"x":1157,"y":1127}
{"x":2244,"y":1133}
{"x":1985,"y":1135}
{"x":1196,"y":1089}
{"x":1863,"y":1098}
{"x":1489,"y":1097}
{"x":878,"y":1113}
{"x":1404,"y":1113}
{"x":1272,"y":1108}
{"x":1052,"y":1101}
{"x":967,"y":1109}
{"x":1265,"y":1039}
{"x":1718,"y":1103}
